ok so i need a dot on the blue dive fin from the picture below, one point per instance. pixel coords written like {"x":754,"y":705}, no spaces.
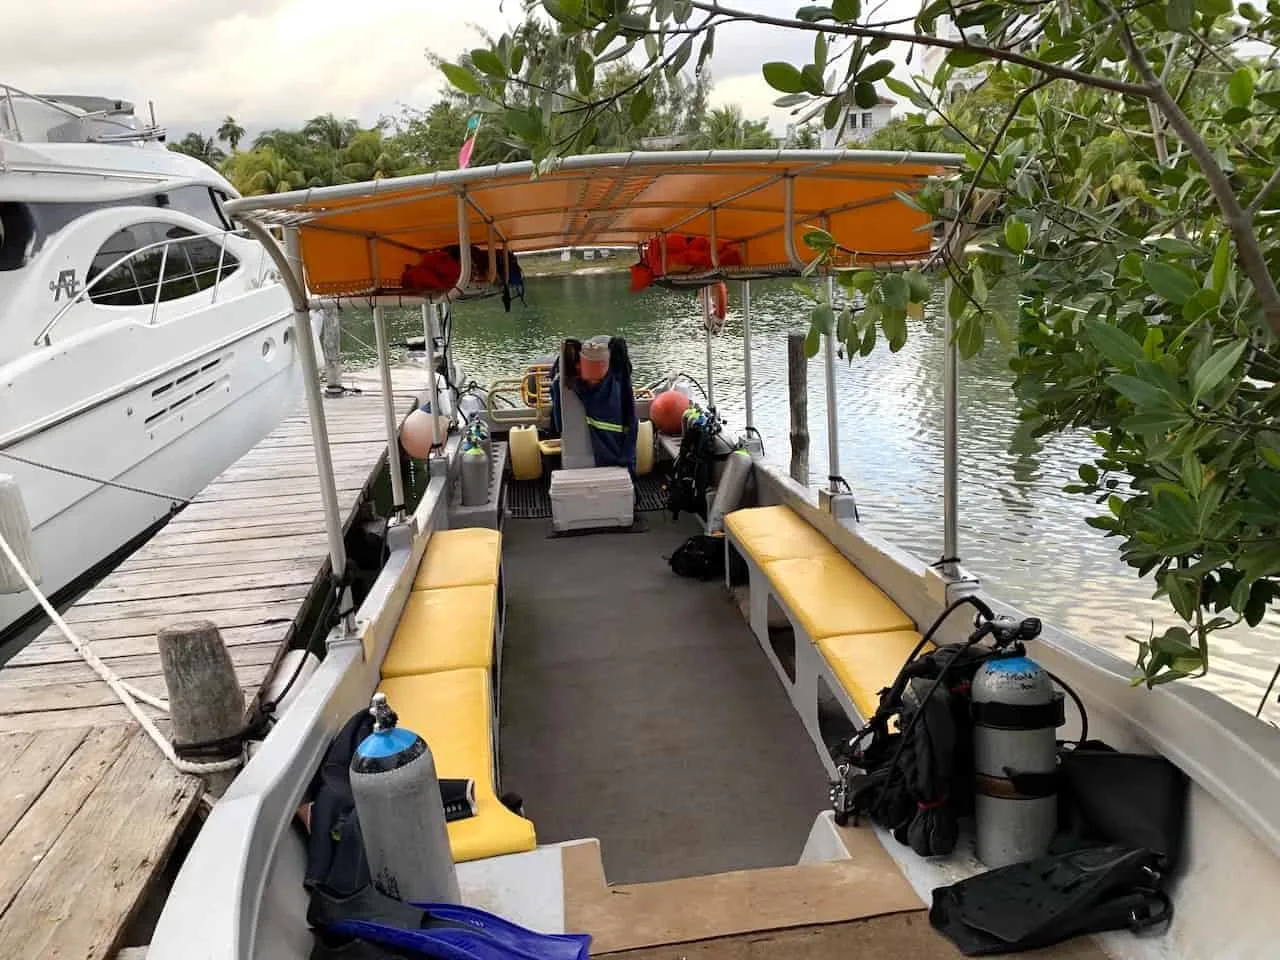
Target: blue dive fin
{"x":451,"y":932}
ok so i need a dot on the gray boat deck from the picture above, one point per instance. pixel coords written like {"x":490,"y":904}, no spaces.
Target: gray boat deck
{"x":90,"y":809}
{"x":637,"y":708}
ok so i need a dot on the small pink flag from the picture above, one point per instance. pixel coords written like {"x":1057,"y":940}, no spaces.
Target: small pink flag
{"x":469,"y":145}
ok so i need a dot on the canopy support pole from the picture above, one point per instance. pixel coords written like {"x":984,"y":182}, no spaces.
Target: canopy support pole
{"x":950,"y":439}
{"x":389,"y":412}
{"x":746,"y":354}
{"x":836,"y":497}
{"x":429,"y":338}
{"x":291,"y":266}
{"x":829,"y":374}
{"x":711,"y":386}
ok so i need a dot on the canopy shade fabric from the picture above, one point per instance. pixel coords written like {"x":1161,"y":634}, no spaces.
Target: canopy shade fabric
{"x":358,"y":238}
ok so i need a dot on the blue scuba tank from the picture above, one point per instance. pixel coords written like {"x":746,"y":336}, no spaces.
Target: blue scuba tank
{"x":402,"y":818}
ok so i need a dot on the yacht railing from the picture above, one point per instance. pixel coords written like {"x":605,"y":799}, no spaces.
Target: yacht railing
{"x":10,"y":127}
{"x":146,"y":288}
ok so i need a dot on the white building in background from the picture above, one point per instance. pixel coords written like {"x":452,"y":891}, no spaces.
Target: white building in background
{"x":961,"y":80}
{"x":858,"y":124}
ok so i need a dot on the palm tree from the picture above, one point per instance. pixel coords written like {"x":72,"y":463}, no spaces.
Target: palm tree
{"x":263,"y":170}
{"x":725,"y":129}
{"x":231,"y":132}
{"x":329,"y":131}
{"x":370,"y":156}
{"x":201,"y":147}
{"x":806,"y":137}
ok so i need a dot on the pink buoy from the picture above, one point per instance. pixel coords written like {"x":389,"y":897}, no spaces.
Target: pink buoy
{"x":420,"y":432}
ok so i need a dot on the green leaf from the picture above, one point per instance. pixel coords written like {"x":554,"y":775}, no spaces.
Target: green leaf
{"x":1154,"y":421}
{"x":864,"y":95}
{"x":846,"y":10}
{"x":462,"y":79}
{"x":1221,"y":264}
{"x":1179,"y":15}
{"x":863,"y":280}
{"x":894,"y":323}
{"x":584,"y":70}
{"x":486,"y":61}
{"x":1141,"y":392}
{"x":525,"y":124}
{"x":965,"y":58}
{"x":811,"y":77}
{"x":707,"y":49}
{"x":814,"y":13}
{"x":567,"y":12}
{"x":1215,"y":369}
{"x":820,"y":52}
{"x":783,"y":77}
{"x":1016,"y":234}
{"x":969,"y":336}
{"x":817,"y":239}
{"x":1183,"y":594}
{"x":1214,"y":8}
{"x":979,"y":284}
{"x":822,"y":318}
{"x":831,"y":113}
{"x":1114,"y":344}
{"x":918,"y":288}
{"x":682,"y":10}
{"x":957,"y":302}
{"x":1169,"y":282}
{"x":901,"y":88}
{"x":812,"y":342}
{"x":1240,"y":88}
{"x":681,"y":56}
{"x":641,"y":105}
{"x":877,"y":71}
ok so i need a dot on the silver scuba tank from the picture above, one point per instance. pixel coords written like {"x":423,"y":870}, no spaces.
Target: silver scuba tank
{"x":1015,"y":757}
{"x":402,"y":818}
{"x":475,"y":476}
{"x":733,"y":482}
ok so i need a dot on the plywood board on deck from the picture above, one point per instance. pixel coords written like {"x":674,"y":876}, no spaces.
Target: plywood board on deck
{"x":900,"y":936}
{"x":631,"y":916}
{"x":79,"y":898}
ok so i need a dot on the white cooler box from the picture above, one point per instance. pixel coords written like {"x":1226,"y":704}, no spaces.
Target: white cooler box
{"x":590,"y":498}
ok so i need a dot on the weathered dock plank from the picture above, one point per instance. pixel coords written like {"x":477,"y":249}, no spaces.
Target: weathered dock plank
{"x":91,"y":809}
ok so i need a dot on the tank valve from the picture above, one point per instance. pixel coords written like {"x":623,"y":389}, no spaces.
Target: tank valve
{"x":384,"y":718}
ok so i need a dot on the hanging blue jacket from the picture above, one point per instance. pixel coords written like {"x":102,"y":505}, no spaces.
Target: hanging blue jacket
{"x":610,"y":411}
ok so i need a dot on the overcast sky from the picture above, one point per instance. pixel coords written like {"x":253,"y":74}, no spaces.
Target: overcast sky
{"x":279,"y":62}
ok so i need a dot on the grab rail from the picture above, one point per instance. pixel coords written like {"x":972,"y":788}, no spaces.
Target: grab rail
{"x":13,"y":127}
{"x":144,"y":285}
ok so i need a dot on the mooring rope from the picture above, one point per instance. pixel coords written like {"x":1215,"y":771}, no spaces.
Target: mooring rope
{"x":128,"y":694}
{"x":92,"y":479}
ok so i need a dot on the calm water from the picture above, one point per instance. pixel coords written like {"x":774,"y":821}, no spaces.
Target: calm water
{"x":1018,"y":530}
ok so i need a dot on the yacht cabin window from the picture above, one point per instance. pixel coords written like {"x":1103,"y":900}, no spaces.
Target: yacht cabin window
{"x":191,"y":266}
{"x":24,"y":227}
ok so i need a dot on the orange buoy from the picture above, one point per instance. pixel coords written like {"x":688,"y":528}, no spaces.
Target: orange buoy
{"x":667,"y":411}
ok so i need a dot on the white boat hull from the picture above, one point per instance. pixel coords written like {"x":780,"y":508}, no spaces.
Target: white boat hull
{"x":238,"y":393}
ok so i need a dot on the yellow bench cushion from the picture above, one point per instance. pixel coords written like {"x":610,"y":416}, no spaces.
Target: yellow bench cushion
{"x":443,"y":630}
{"x":776,"y":533}
{"x":462,"y":557}
{"x":829,"y":596}
{"x":453,"y":712}
{"x":866,"y":663}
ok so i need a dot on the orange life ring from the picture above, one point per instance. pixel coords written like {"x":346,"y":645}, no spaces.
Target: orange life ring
{"x":715,"y":300}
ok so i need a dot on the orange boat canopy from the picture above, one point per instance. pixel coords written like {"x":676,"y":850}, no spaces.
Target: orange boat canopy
{"x":745,"y":211}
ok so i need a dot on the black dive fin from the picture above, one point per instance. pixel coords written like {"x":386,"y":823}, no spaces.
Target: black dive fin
{"x":1050,"y":899}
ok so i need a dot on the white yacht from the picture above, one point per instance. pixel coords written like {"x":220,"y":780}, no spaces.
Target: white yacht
{"x":144,"y":345}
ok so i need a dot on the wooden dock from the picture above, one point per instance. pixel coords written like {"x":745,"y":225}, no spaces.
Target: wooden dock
{"x":89,"y":808}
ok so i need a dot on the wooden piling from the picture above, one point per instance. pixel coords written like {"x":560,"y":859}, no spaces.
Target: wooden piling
{"x":798,"y":403}
{"x":205,"y":699}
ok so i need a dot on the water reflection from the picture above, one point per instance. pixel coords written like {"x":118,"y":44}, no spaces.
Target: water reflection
{"x":1018,"y":529}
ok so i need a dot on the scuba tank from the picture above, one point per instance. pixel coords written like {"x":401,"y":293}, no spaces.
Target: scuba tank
{"x":475,"y":476}
{"x":1015,"y":713}
{"x":402,"y":818}
{"x":730,"y":489}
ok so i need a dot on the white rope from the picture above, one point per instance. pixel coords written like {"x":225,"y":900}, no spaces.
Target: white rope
{"x":126,"y":692}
